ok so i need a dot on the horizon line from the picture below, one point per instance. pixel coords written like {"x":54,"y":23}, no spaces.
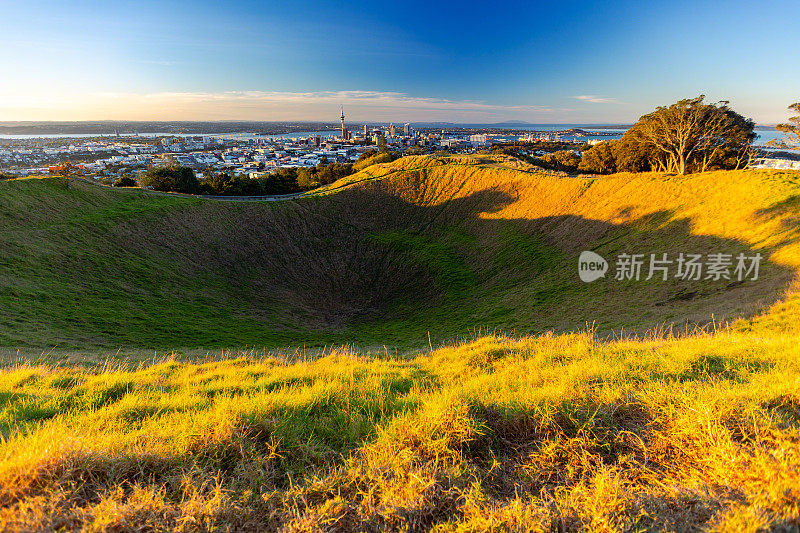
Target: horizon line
{"x":335,"y":123}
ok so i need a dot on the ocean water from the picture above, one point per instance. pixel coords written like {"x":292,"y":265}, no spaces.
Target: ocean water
{"x":764,"y":135}
{"x":238,"y":136}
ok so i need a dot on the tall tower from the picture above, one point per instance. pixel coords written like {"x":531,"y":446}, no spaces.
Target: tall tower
{"x":344,"y":131}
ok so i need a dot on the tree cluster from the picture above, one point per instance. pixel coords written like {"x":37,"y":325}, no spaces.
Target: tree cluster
{"x":172,"y":178}
{"x":232,"y":184}
{"x":687,"y":136}
{"x":622,"y":155}
{"x":281,"y":181}
{"x":546,"y":146}
{"x":560,"y":160}
{"x":124,"y":181}
{"x":176,"y":178}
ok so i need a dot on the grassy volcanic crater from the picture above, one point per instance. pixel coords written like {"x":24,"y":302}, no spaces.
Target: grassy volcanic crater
{"x":422,"y":245}
{"x":554,"y":431}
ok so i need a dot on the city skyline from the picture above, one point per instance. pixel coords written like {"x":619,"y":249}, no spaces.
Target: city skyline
{"x":539,"y":62}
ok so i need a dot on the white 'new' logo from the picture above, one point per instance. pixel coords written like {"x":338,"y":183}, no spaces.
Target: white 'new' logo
{"x":591,"y":266}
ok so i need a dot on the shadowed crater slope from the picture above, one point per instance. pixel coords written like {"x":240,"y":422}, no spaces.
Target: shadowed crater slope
{"x":423,"y":245}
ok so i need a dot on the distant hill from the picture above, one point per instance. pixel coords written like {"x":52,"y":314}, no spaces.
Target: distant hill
{"x":422,"y":245}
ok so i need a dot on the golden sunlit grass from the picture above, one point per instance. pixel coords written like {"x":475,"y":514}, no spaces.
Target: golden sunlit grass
{"x":536,"y":433}
{"x":552,"y":432}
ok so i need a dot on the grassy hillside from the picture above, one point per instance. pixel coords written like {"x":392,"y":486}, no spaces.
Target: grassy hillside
{"x":531,"y":434}
{"x":560,"y":430}
{"x":398,"y":251}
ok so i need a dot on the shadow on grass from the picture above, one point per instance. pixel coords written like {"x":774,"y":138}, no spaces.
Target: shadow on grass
{"x":374,"y":265}
{"x":382,"y":266}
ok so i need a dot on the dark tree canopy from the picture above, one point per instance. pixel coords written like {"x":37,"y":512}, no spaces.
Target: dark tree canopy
{"x":693,"y":136}
{"x":284,"y":180}
{"x":125,"y":181}
{"x":599,"y":159}
{"x":632,"y":156}
{"x":562,"y":160}
{"x":173,"y":178}
{"x":621,"y":155}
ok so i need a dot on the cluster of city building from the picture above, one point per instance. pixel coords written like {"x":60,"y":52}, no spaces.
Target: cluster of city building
{"x":248,"y":154}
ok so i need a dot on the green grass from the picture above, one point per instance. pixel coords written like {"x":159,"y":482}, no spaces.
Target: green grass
{"x":70,"y":282}
{"x":450,"y":245}
{"x":177,"y":364}
{"x":444,"y":260}
{"x":493,"y":433}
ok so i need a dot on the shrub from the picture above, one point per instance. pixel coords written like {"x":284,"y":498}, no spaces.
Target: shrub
{"x":307,"y":179}
{"x":329,"y":173}
{"x":599,"y":159}
{"x":173,"y":178}
{"x":563,"y":160}
{"x":125,"y":181}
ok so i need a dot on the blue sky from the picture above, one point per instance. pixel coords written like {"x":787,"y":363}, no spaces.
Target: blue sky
{"x":554,"y":62}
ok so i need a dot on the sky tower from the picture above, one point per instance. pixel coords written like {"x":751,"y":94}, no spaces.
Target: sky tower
{"x":344,"y":131}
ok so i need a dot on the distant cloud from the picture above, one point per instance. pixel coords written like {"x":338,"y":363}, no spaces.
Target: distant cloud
{"x":596,"y":99}
{"x":360,"y":98}
{"x":358,"y":105}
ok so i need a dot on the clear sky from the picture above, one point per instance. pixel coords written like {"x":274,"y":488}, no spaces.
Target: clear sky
{"x":539,"y":61}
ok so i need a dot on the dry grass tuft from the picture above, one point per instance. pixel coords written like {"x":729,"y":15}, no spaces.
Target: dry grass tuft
{"x":558,"y":432}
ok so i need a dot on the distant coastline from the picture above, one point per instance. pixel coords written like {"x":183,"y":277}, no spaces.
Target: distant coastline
{"x":259,"y":127}
{"x":162,"y":127}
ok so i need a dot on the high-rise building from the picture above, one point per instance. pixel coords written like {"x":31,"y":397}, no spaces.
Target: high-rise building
{"x":480,"y":140}
{"x":391,"y":130}
{"x":406,"y":129}
{"x":366,"y":130}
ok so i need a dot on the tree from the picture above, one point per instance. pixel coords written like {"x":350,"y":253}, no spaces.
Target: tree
{"x":791,"y":129}
{"x":562,"y":160}
{"x":598,"y":159}
{"x":306,"y":179}
{"x":217,"y":182}
{"x":329,"y":173}
{"x":65,"y":170}
{"x":416,"y":150}
{"x":231,"y":184}
{"x":631,"y":155}
{"x":173,"y":178}
{"x":125,"y":181}
{"x":693,"y":136}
